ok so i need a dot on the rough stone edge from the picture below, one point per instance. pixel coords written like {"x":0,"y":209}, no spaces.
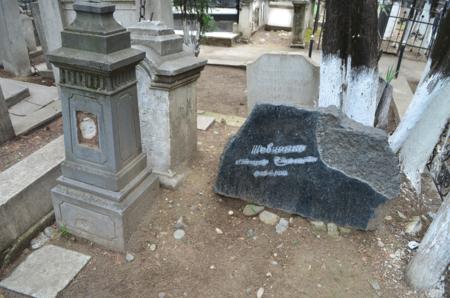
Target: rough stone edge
{"x":15,"y":249}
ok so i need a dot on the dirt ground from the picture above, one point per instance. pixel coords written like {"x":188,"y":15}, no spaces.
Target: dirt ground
{"x":249,"y":254}
{"x":222,"y":90}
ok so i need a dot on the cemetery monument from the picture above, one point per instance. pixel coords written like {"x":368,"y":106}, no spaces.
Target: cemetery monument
{"x":106,"y":186}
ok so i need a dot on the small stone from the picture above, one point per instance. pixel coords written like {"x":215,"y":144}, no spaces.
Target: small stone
{"x":161,"y":295}
{"x":332,"y":230}
{"x":375,"y":285}
{"x":39,"y":241}
{"x":180,"y":224}
{"x":129,"y":258}
{"x":251,"y":234}
{"x":401,"y":215}
{"x":268,"y":218}
{"x":388,"y":218}
{"x":414,"y":226}
{"x":219,"y":231}
{"x":282,"y":226}
{"x":152,"y":247}
{"x":268,"y":274}
{"x":179,"y":234}
{"x":380,"y":243}
{"x":50,"y":232}
{"x":318,"y":226}
{"x":343,"y":230}
{"x":260,"y":293}
{"x":212,"y":267}
{"x":274,"y":263}
{"x":252,"y":210}
{"x":412,"y":245}
{"x":230,"y":213}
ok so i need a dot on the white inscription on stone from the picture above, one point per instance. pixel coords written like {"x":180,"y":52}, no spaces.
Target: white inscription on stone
{"x":255,"y":163}
{"x":282,"y":161}
{"x":88,"y":128}
{"x":271,"y":149}
{"x":270,"y":173}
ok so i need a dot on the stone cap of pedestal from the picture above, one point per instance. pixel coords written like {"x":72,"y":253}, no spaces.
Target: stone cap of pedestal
{"x":68,"y":58}
{"x":166,"y":60}
{"x":95,"y":29}
{"x":157,"y":36}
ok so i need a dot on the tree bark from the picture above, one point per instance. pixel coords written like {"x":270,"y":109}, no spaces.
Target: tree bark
{"x":349,"y":72}
{"x":6,"y":128}
{"x":433,"y":255}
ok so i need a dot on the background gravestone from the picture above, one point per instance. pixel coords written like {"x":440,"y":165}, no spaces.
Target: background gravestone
{"x":317,"y":164}
{"x":12,"y":41}
{"x":287,"y":79}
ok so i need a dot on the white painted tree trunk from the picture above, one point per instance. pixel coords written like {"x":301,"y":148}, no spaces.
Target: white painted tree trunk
{"x":332,"y":81}
{"x":349,"y":67}
{"x":421,"y":127}
{"x":433,"y":255}
{"x":360,"y":103}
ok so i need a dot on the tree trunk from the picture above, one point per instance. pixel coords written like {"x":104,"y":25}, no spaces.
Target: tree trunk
{"x":429,"y":111}
{"x":6,"y":128}
{"x":433,"y":255}
{"x":349,"y":74}
{"x":360,"y":104}
{"x":336,"y":41}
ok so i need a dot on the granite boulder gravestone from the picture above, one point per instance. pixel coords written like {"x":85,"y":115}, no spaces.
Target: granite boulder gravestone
{"x":318,"y":164}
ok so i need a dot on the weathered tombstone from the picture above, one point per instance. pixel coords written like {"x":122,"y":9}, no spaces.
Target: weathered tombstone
{"x":318,"y":164}
{"x":287,"y":79}
{"x":298,"y":24}
{"x":36,"y":12}
{"x":105,"y":187}
{"x":6,"y":128}
{"x":245,"y":17}
{"x":167,"y":99}
{"x":13,"y":45}
{"x":52,"y":24}
{"x":28,"y":32}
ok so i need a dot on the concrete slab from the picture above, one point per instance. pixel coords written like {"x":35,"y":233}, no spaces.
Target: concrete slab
{"x":41,"y":106}
{"x":13,"y":91}
{"x":204,"y":122}
{"x":46,"y":272}
{"x":24,"y":124}
{"x":25,"y":191}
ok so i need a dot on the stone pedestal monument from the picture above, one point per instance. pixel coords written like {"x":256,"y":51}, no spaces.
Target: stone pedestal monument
{"x":298,"y":25}
{"x":167,"y":100}
{"x":245,"y":17}
{"x":105,"y":187}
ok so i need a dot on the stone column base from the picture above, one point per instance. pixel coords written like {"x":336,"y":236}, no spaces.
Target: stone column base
{"x":105,"y":217}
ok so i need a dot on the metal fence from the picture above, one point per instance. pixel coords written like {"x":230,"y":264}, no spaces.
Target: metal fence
{"x":408,"y":28}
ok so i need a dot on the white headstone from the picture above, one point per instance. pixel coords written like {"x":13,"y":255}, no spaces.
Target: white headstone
{"x":288,"y":79}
